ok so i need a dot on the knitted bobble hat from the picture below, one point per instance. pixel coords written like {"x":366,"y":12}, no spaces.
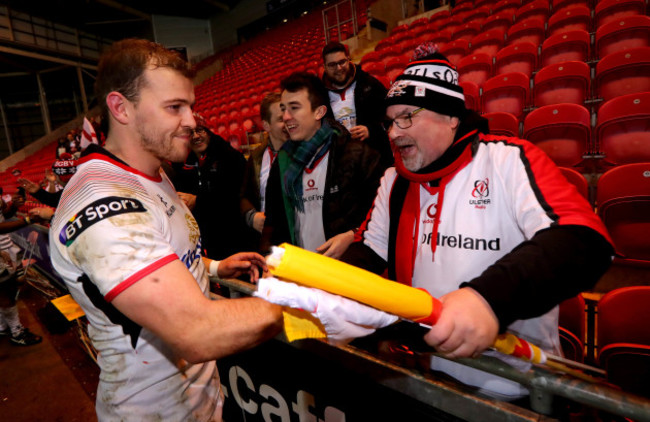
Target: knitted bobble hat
{"x":429,"y":81}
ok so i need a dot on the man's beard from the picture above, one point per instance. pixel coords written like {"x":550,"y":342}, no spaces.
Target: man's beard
{"x":161,"y":146}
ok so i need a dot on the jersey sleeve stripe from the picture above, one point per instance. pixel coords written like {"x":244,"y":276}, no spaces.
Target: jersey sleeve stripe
{"x":138,"y":276}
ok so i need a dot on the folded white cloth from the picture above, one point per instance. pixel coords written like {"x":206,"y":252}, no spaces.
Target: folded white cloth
{"x":343,"y":319}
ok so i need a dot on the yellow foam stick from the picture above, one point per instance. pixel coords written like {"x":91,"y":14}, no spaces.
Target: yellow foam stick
{"x":310,"y":269}
{"x":510,"y":344}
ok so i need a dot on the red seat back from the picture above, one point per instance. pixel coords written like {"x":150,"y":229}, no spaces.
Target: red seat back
{"x":570,"y":19}
{"x":506,"y":93}
{"x":475,"y":68}
{"x":564,"y":47}
{"x":623,"y":204}
{"x":566,"y":82}
{"x":623,"y":34}
{"x":623,"y":72}
{"x":562,"y":131}
{"x":520,"y":57}
{"x":504,"y":124}
{"x":578,"y":180}
{"x":623,"y":130}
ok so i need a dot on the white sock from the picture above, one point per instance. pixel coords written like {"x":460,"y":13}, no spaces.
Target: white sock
{"x":10,"y":317}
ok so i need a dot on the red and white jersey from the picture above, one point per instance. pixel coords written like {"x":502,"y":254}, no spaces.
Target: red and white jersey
{"x":508,"y":192}
{"x":115,"y":225}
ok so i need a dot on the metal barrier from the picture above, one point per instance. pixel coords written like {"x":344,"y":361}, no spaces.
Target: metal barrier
{"x":455,"y":399}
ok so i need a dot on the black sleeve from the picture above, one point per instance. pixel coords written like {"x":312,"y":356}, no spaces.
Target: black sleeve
{"x":361,"y":255}
{"x":556,"y":264}
{"x":48,"y":198}
{"x":276,"y":228}
{"x":247,"y":196}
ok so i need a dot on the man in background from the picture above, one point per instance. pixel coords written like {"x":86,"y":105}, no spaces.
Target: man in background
{"x":356,"y":99}
{"x":209,"y":182}
{"x":260,"y":161}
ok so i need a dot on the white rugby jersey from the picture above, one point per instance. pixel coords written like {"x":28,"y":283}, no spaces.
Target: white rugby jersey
{"x":508,"y":192}
{"x":115,"y":225}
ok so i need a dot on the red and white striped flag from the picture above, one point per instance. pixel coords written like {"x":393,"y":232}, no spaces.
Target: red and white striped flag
{"x":88,"y":135}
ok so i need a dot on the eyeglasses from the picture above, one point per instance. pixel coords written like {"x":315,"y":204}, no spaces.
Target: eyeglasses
{"x":334,"y":65}
{"x":404,"y":121}
{"x":199,"y":131}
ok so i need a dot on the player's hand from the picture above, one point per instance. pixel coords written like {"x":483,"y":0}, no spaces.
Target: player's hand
{"x":188,"y":198}
{"x":335,"y":246}
{"x":258,"y":221}
{"x":28,"y":185}
{"x":360,"y":132}
{"x":466,"y":327}
{"x":41,"y":214}
{"x":243,"y":263}
{"x":50,"y":176}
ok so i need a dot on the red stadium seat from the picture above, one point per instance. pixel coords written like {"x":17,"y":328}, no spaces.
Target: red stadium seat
{"x":371,"y":56}
{"x":502,"y":124}
{"x":564,"y":47}
{"x":572,"y":312}
{"x":450,"y":24}
{"x":441,"y":38}
{"x":439,"y":16}
{"x":467,"y":31}
{"x":623,"y":72}
{"x":612,"y":10}
{"x":623,"y":204}
{"x":375,"y":69}
{"x":499,"y":21}
{"x":472,"y":95}
{"x":566,"y":82}
{"x":623,"y":130}
{"x":475,"y":68}
{"x":562,"y":131}
{"x":578,"y":180}
{"x":624,"y":338}
{"x":488,"y":42}
{"x":570,"y":19}
{"x":506,"y":93}
{"x":506,"y":6}
{"x":520,"y":57}
{"x":395,"y":67}
{"x":455,"y":50}
{"x":531,"y":30}
{"x":561,"y":4}
{"x":537,"y":9}
{"x":479,"y":15}
{"x":419,"y":23}
{"x":623,"y":34}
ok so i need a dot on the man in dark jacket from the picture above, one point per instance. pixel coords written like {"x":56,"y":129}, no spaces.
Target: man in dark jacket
{"x":356,"y":99}
{"x":322,"y":183}
{"x":209,"y":182}
{"x":260,"y":161}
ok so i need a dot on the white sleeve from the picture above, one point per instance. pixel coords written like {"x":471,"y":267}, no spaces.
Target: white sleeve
{"x":376,"y":234}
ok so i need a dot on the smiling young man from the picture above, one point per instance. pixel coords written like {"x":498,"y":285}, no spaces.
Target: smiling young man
{"x":209,"y":181}
{"x":485,"y":223}
{"x":355,"y":99}
{"x":129,"y":251}
{"x":328,"y":179}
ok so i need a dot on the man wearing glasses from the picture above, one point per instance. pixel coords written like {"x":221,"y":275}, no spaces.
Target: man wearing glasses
{"x":486,"y":223}
{"x":209,"y":182}
{"x":356,"y":99}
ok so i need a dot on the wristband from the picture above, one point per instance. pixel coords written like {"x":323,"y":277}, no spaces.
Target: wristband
{"x":213,"y":269}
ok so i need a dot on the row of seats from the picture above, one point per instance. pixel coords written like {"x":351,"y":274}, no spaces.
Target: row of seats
{"x":622,"y":337}
{"x":622,"y":201}
{"x":564,"y":131}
